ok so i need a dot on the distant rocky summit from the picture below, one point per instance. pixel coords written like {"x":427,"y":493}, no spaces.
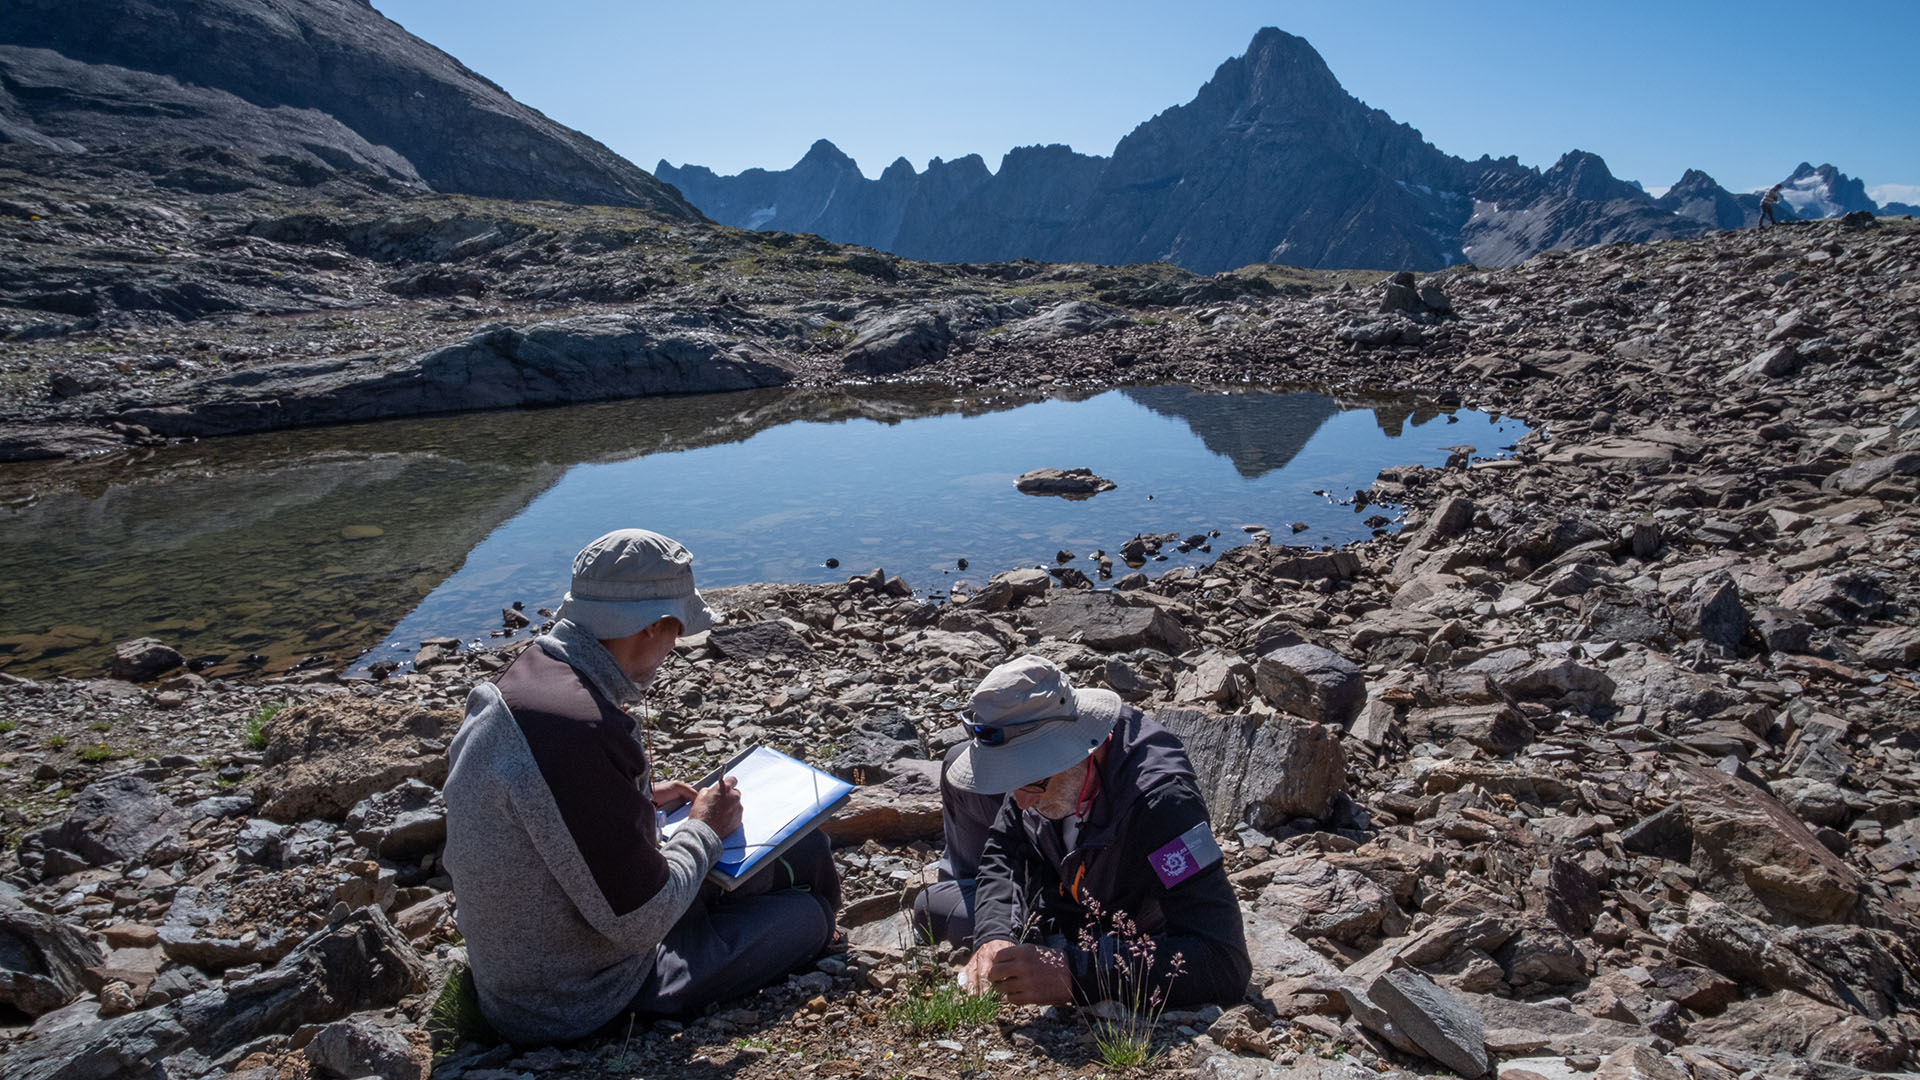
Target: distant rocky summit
{"x":1272,"y":162}
{"x":325,"y":84}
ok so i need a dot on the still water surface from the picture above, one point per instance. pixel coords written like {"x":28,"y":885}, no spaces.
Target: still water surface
{"x":258,"y":552}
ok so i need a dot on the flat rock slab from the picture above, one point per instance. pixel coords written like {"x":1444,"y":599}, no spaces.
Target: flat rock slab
{"x":1754,"y":853}
{"x":758,"y":641}
{"x":1112,"y":622}
{"x":1306,"y":897}
{"x":1446,"y":1029}
{"x":904,"y":808}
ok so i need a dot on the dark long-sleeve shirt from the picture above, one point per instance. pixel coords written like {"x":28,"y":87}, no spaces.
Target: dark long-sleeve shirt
{"x":1145,"y":852}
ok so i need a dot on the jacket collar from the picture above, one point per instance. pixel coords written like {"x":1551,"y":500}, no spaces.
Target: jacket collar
{"x":584,"y":653}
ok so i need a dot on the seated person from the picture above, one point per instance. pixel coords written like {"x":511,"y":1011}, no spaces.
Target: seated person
{"x":574,"y":910}
{"x":943,"y":912}
{"x":1104,"y":820}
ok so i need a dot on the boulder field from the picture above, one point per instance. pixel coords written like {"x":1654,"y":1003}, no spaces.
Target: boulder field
{"x":1605,"y":763}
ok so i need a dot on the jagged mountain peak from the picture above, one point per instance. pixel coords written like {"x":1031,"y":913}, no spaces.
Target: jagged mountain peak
{"x":1691,"y":180}
{"x":823,"y":152}
{"x":1584,"y":175}
{"x":1278,"y":69}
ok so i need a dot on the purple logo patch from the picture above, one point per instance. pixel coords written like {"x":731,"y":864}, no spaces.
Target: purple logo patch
{"x":1186,"y":855}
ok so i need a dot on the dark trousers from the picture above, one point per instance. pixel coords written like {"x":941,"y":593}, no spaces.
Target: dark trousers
{"x":730,"y":944}
{"x":1766,"y":215}
{"x":943,"y":912}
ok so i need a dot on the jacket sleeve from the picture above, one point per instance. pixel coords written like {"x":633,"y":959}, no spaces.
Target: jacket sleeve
{"x":1000,"y":895}
{"x":1203,"y":927}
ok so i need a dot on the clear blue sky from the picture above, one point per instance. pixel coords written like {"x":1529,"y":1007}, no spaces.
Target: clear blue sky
{"x":1744,"y":89}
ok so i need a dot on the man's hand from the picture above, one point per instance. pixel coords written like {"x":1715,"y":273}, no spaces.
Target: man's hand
{"x":973,"y":974}
{"x":671,"y":793}
{"x":718,"y":806}
{"x":1024,"y":974}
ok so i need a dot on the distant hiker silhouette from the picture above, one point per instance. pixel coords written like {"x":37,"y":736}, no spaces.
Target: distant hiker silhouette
{"x":1766,"y":206}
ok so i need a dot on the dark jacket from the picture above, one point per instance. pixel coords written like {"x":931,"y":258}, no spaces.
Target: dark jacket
{"x":1147,"y":801}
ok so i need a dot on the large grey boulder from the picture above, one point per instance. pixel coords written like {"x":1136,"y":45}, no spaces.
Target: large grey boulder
{"x":359,"y":963}
{"x":43,"y":961}
{"x":123,"y":819}
{"x":1260,"y":770}
{"x":1312,"y":683}
{"x":370,"y":1045}
{"x":566,"y":361}
{"x":1712,"y":612}
{"x":325,"y":755}
{"x":404,"y":822}
{"x":1011,"y":588}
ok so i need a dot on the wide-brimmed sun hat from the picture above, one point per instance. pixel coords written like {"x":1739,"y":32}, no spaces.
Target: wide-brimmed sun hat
{"x":630,"y":579}
{"x":1028,"y":723}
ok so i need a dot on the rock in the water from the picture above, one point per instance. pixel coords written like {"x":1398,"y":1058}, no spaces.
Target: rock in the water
{"x":1072,"y":483}
{"x":1447,"y":1030}
{"x":1312,"y":683}
{"x":143,"y":659}
{"x":1260,"y":770}
{"x":43,"y":961}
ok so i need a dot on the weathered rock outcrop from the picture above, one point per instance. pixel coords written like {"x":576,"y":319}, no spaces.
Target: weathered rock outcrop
{"x":292,"y":80}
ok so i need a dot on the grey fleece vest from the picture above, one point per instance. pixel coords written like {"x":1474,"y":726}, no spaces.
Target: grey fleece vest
{"x":560,"y":939}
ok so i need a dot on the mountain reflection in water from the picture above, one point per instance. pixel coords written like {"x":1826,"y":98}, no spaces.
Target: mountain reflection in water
{"x":259,"y":552}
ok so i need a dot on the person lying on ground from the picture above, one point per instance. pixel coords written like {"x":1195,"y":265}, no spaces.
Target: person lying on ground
{"x":1100,"y":866}
{"x":575,"y":911}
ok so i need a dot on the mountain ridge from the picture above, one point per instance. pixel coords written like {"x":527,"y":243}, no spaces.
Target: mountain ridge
{"x":329,"y":84}
{"x":1270,"y":161}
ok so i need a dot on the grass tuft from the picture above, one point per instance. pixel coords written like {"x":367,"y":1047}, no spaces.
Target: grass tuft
{"x":455,"y":1017}
{"x":254,"y":735}
{"x":936,"y":1010}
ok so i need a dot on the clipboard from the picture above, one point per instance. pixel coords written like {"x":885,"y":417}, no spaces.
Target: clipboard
{"x":781,"y":800}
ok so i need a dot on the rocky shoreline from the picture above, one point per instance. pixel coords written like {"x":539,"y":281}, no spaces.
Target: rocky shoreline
{"x":1606,"y":762}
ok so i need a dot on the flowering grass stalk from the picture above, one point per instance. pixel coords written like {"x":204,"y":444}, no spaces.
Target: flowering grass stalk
{"x":1122,"y":1023}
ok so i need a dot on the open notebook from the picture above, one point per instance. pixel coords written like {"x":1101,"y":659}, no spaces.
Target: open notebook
{"x":780,"y":800}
